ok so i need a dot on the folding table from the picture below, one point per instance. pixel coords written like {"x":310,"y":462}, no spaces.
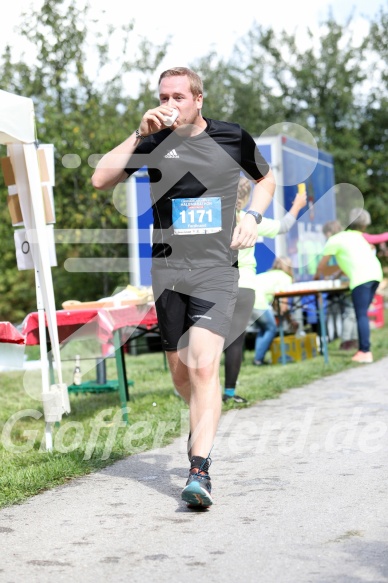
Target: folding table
{"x":316,"y":288}
{"x":118,"y":325}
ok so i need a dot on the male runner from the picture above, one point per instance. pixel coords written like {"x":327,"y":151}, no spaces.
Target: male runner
{"x":194,"y":168}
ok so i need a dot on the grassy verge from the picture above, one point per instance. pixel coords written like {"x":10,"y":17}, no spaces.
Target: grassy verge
{"x":92,"y":436}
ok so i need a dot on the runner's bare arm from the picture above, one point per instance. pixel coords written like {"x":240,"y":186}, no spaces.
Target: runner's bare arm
{"x":110,"y":169}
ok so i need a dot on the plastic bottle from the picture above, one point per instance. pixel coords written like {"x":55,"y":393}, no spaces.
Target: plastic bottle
{"x":77,"y":375}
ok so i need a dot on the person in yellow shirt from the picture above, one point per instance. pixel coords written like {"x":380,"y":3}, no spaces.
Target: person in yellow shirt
{"x":268,"y":283}
{"x":359,"y":263}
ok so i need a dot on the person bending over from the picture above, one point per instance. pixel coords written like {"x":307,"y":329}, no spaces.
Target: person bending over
{"x":358,"y":261}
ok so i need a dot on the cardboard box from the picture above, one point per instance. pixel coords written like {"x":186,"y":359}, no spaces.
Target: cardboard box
{"x":14,"y":210}
{"x":48,"y":209}
{"x":43,"y":168}
{"x":6,"y":166}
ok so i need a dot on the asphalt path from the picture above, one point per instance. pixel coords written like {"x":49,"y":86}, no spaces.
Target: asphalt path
{"x":300,"y":488}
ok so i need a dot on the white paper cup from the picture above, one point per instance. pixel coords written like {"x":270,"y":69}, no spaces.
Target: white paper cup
{"x":169,"y":120}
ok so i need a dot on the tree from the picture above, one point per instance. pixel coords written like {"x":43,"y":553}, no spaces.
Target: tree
{"x":81,"y":116}
{"x":374,"y":124}
{"x":326,"y":87}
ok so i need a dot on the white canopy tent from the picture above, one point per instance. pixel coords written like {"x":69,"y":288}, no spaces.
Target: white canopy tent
{"x":17,"y":132}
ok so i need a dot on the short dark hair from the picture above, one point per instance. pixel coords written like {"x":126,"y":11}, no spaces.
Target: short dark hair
{"x":196,"y":84}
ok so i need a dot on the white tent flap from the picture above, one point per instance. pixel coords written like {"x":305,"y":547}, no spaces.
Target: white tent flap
{"x":17,"y":119}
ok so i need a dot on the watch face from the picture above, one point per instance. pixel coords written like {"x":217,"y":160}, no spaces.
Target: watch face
{"x":258,"y":217}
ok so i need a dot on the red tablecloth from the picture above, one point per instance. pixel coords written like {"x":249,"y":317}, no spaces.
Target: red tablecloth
{"x":10,"y":334}
{"x":100,"y":323}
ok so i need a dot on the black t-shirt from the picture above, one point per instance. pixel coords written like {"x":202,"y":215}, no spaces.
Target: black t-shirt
{"x":194,"y":191}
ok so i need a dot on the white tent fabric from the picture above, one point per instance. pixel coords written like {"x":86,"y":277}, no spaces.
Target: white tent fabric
{"x":17,"y":131}
{"x":17,"y":119}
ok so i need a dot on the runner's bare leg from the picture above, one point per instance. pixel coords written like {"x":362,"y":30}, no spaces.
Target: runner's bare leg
{"x":196,"y":377}
{"x":180,"y":375}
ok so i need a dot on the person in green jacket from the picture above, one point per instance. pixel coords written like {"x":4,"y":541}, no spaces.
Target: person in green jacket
{"x":358,"y":261}
{"x":234,"y":344}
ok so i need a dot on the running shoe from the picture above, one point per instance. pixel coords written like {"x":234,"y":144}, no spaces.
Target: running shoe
{"x":363,"y":357}
{"x":235,"y":398}
{"x":349,"y":345}
{"x":197,"y":491}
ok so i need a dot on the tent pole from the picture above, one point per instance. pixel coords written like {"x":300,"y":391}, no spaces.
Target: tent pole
{"x":43,"y":355}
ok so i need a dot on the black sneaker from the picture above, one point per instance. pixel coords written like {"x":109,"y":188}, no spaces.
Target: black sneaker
{"x":197,"y":491}
{"x":235,"y":398}
{"x":260,"y":363}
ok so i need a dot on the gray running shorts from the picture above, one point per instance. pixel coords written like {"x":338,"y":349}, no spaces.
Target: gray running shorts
{"x":203,"y":297}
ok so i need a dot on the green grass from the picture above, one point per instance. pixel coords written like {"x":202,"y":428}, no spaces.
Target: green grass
{"x":156,"y":415}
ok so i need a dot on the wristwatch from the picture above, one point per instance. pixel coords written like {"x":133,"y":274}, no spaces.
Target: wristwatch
{"x":139,"y":136}
{"x":258,"y":216}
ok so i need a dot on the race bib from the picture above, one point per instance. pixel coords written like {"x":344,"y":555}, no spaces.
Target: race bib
{"x":196,"y":216}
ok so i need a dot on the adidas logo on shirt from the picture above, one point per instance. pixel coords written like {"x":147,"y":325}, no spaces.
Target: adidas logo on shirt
{"x":172,"y":154}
